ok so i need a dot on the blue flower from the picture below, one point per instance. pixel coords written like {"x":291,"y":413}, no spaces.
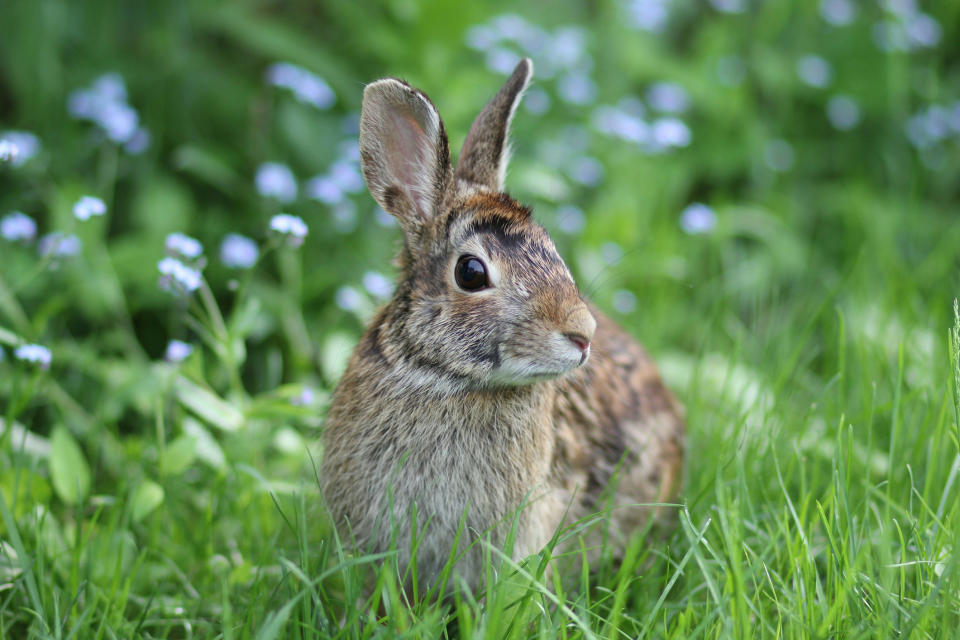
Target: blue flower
{"x":105,"y":104}
{"x":814,"y":71}
{"x":577,"y":88}
{"x":178,"y":277}
{"x":843,"y":112}
{"x":34,"y":353}
{"x":238,"y":252}
{"x":624,"y":301}
{"x":838,"y":12}
{"x":698,"y":218}
{"x":25,"y":143}
{"x":669,"y":132}
{"x":291,"y":226}
{"x":59,"y":245}
{"x":306,"y":86}
{"x":8,"y":151}
{"x":89,"y":206}
{"x":349,"y":299}
{"x":177,"y":351}
{"x":377,"y":284}
{"x":649,"y":15}
{"x":183,"y":245}
{"x":275,"y":180}
{"x":668,"y":97}
{"x":325,"y":189}
{"x":570,"y":219}
{"x":18,"y":226}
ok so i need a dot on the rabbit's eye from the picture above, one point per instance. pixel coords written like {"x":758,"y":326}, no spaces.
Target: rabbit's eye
{"x":471,"y":274}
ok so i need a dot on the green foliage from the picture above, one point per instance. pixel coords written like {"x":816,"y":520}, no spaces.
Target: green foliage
{"x":799,"y":314}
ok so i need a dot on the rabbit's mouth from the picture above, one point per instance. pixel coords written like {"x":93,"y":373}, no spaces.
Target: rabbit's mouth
{"x":546,"y":359}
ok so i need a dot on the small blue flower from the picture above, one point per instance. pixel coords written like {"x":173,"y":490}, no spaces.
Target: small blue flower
{"x":59,"y":245}
{"x":649,"y":15}
{"x":814,"y":71}
{"x":87,"y":207}
{"x":570,"y":219}
{"x":611,"y":252}
{"x":346,"y":175}
{"x":843,"y":112}
{"x":238,"y":252}
{"x":18,"y":226}
{"x":105,"y":104}
{"x":377,"y":284}
{"x":536,"y":101}
{"x":306,"y":86}
{"x":577,"y":88}
{"x":25,"y":143}
{"x":923,"y":31}
{"x":481,"y":37}
{"x":384,"y":219}
{"x":698,"y":218}
{"x":178,"y":277}
{"x":183,"y":245}
{"x":34,"y":353}
{"x":349,"y":299}
{"x":8,"y":151}
{"x":668,"y":97}
{"x":502,"y":60}
{"x":669,"y":132}
{"x":325,"y":189}
{"x":177,"y":351}
{"x":305,"y":398}
{"x":624,"y":301}
{"x":291,"y":226}
{"x":838,"y":13}
{"x":586,"y":170}
{"x":344,"y":216}
{"x":275,"y":180}
{"x":138,"y":142}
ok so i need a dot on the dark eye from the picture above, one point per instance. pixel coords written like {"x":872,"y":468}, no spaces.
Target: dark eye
{"x":471,"y":274}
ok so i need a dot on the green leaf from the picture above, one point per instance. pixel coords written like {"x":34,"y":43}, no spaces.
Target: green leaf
{"x":68,"y":468}
{"x":146,"y":498}
{"x":207,"y":448}
{"x":208,"y":405}
{"x":179,"y":454}
{"x":334,"y":354}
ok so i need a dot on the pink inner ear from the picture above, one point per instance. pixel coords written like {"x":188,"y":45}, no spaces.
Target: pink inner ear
{"x":410,"y":158}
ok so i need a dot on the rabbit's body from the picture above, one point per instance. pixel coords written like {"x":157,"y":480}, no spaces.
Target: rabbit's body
{"x":471,"y":394}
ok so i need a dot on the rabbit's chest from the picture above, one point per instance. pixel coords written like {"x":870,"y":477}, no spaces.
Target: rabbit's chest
{"x":455,"y":462}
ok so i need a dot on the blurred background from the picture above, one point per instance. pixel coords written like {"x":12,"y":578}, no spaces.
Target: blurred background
{"x":763,"y":192}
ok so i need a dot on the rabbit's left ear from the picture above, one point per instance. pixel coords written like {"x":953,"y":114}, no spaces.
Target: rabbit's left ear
{"x":485,"y":153}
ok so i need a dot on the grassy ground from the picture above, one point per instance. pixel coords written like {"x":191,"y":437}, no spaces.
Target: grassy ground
{"x":804,"y":316}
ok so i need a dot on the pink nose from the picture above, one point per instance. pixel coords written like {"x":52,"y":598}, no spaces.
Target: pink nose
{"x":581,"y":342}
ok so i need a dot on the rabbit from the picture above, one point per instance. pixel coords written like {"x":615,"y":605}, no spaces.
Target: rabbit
{"x":487,"y":393}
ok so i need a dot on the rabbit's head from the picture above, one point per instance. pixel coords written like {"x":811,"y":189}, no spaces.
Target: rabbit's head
{"x":483,"y":300}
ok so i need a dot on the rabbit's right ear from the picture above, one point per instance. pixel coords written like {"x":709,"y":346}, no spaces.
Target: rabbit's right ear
{"x":404,"y":152}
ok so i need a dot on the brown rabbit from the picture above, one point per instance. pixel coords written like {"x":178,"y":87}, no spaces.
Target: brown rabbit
{"x":487,"y":383}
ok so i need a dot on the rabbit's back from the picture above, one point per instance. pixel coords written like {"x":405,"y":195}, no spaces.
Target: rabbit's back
{"x":615,"y":415}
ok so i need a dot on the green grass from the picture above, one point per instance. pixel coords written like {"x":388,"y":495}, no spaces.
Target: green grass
{"x":813,"y":334}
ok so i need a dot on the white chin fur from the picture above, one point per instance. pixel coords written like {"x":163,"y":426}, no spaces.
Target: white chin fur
{"x":557,"y":358}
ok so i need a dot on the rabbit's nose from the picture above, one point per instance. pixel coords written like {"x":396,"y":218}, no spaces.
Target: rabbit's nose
{"x":579,"y":327}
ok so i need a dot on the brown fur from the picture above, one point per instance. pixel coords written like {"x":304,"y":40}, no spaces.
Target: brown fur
{"x":469,"y":405}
